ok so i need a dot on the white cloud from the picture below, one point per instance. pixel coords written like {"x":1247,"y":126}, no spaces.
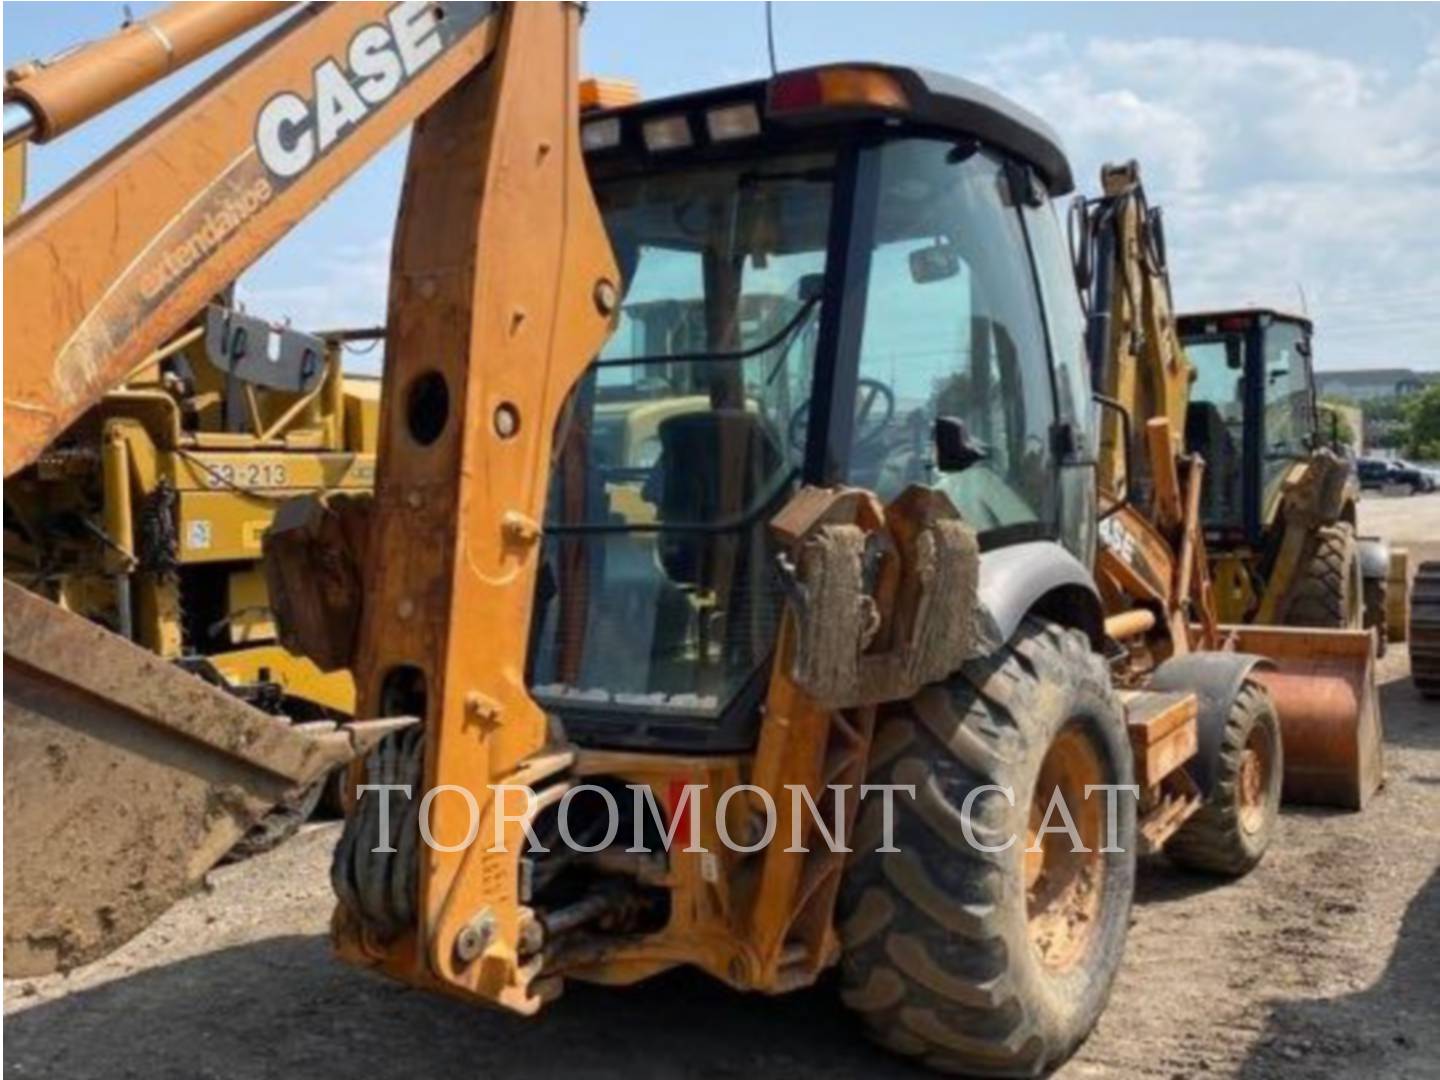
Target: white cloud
{"x":1279,"y":169}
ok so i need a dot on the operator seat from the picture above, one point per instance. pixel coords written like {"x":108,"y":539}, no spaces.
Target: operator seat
{"x":1208,"y":434}
{"x":714,"y":465}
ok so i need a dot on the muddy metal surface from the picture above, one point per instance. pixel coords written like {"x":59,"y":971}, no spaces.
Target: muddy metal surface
{"x":1324,"y":963}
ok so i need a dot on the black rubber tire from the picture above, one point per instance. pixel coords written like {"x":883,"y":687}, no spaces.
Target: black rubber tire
{"x":1327,"y":593}
{"x":1377,"y":594}
{"x":1215,"y":840}
{"x":1424,"y":629}
{"x":938,"y":960}
{"x":375,"y":874}
{"x":279,"y":825}
{"x":332,"y":797}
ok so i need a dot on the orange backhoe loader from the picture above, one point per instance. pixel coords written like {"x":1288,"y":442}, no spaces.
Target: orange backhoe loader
{"x":736,"y":450}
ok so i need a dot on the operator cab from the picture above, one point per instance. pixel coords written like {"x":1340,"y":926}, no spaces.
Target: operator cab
{"x":1252,"y":413}
{"x":816,"y":268}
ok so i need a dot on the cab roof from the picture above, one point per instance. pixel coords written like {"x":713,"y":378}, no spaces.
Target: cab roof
{"x":1247,"y":312}
{"x":931,"y":100}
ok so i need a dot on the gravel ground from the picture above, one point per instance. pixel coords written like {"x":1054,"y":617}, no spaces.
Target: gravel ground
{"x":1323,"y":963}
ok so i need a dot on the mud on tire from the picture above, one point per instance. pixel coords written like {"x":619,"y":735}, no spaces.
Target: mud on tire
{"x":981,"y":962}
{"x":1230,"y":834}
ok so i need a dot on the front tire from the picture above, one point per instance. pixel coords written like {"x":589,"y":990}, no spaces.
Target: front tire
{"x":1328,"y":591}
{"x":1231,"y":832}
{"x":994,"y":963}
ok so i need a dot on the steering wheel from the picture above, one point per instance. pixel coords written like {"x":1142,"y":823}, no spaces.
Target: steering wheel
{"x":868,"y":426}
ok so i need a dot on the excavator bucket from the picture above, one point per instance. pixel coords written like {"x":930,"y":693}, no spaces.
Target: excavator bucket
{"x":1323,"y":685}
{"x":126,"y":779}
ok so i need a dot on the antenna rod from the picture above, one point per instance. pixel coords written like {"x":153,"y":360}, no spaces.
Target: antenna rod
{"x":770,"y":33}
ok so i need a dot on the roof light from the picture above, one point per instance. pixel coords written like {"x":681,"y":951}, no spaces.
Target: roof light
{"x":837,"y":87}
{"x":667,"y":133}
{"x":600,"y":134}
{"x":607,"y":93}
{"x":733,"y":122}
{"x":1235,"y":322}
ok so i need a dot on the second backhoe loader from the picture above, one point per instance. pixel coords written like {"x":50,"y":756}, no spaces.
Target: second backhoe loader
{"x":1158,"y":480}
{"x":1280,"y":504}
{"x":735,"y":485}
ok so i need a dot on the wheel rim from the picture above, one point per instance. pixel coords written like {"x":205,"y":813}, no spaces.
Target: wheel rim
{"x":1063,"y":887}
{"x":1257,"y":762}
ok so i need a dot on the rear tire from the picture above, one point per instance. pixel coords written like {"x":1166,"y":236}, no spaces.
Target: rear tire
{"x":992,"y":963}
{"x":1231,"y":832}
{"x":1328,"y":592}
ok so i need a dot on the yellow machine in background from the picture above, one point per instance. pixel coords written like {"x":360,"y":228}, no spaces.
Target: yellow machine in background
{"x":1279,"y":506}
{"x":147,"y":516}
{"x":1169,"y":471}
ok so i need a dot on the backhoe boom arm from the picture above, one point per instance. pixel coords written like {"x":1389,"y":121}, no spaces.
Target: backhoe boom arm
{"x":113,"y":264}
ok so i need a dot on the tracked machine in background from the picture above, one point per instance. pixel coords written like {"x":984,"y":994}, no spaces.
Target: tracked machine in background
{"x":732,"y":448}
{"x":1157,"y":477}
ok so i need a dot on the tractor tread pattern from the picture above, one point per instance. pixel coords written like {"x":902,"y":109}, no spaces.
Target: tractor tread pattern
{"x":1322,"y":595}
{"x":1213,"y":839}
{"x":929,"y":938}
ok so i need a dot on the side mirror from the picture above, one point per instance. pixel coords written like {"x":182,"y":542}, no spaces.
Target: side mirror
{"x":1121,"y":497}
{"x":934,"y":263}
{"x":955,"y":450}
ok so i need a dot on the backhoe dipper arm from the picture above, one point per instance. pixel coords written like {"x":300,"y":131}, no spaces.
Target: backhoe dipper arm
{"x":1134,"y":344}
{"x":111,"y":265}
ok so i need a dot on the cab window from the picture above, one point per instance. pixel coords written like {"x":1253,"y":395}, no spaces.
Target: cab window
{"x":953,"y":328}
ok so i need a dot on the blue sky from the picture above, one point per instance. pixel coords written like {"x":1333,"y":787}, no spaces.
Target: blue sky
{"x":1292,"y":145}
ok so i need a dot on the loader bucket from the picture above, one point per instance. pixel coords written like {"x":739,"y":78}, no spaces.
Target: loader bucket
{"x":1323,"y":685}
{"x":126,"y":779}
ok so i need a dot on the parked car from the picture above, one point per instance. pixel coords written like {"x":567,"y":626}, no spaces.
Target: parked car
{"x":1403,"y":474}
{"x":1374,"y":473}
{"x":1378,"y":473}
